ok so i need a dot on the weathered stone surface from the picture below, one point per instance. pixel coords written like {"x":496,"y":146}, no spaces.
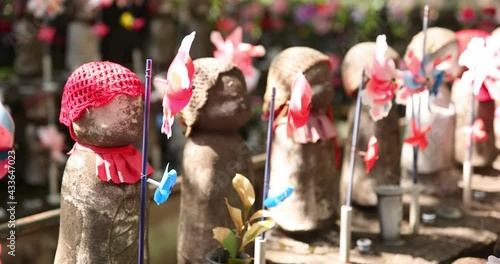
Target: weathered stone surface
{"x":387,"y":167}
{"x":439,"y":113}
{"x":28,"y":61}
{"x":483,"y":153}
{"x":213,"y":154}
{"x":443,"y":242}
{"x":82,"y":45}
{"x":100,"y":220}
{"x":309,"y":166}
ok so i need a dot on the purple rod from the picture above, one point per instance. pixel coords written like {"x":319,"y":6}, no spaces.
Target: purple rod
{"x":267,"y":171}
{"x":145,"y":132}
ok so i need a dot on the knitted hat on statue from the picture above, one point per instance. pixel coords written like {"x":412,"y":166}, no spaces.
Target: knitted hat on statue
{"x":95,"y":84}
{"x":283,"y":69}
{"x":207,"y":71}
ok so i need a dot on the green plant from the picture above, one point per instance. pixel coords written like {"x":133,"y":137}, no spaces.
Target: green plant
{"x":247,"y":229}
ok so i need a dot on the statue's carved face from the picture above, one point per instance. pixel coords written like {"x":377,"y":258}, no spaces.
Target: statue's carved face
{"x":116,"y":124}
{"x":321,"y":84}
{"x":227,"y":106}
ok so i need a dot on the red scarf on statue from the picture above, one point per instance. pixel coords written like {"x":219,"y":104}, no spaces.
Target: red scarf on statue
{"x":118,"y":165}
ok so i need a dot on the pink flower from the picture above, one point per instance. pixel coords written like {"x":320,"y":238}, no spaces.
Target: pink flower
{"x":225,"y":24}
{"x":279,"y":7}
{"x":54,"y":141}
{"x":239,"y":53}
{"x":418,"y":137}
{"x":40,"y":8}
{"x":138,"y":24}
{"x":100,"y":29}
{"x":370,"y":156}
{"x":46,"y":34}
{"x":466,"y":15}
{"x":178,"y":85}
{"x":381,"y":87}
{"x":300,"y":104}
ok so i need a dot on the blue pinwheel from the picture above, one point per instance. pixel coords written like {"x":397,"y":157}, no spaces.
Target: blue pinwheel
{"x":274,"y":200}
{"x":165,"y":186}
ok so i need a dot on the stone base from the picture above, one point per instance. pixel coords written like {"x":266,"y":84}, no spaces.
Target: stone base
{"x":445,"y":241}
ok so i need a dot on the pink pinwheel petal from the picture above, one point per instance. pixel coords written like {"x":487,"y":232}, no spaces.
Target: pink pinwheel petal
{"x":168,"y":121}
{"x":138,"y":24}
{"x":100,"y":29}
{"x":414,"y":64}
{"x":236,"y":37}
{"x":217,"y":40}
{"x":371,"y":155}
{"x":46,"y":34}
{"x":300,"y":103}
{"x":178,"y":85}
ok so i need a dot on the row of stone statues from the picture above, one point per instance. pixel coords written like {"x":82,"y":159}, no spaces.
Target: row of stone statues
{"x":99,"y":217}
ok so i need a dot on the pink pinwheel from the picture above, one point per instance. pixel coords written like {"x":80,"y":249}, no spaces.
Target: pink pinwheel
{"x":370,"y":156}
{"x":100,"y":29}
{"x":300,"y":104}
{"x":40,"y":8}
{"x":234,"y":50}
{"x":382,"y":86}
{"x":178,"y":85}
{"x":46,"y":34}
{"x":93,"y":4}
{"x":482,"y":59}
{"x":418,"y":137}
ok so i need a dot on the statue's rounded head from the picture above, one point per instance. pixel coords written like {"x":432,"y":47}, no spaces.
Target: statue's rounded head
{"x":359,"y":56}
{"x":220,"y":101}
{"x":102,"y":104}
{"x":313,"y":64}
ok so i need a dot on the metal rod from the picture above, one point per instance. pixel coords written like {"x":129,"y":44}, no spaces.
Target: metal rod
{"x":354,"y":141}
{"x":145,"y":133}
{"x":267,"y":170}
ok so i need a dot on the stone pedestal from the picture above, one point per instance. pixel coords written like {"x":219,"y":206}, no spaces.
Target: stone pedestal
{"x":387,"y":168}
{"x":483,"y":153}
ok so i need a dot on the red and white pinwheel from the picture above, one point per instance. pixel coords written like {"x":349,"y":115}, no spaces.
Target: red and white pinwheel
{"x":382,"y":86}
{"x":234,"y":50}
{"x":178,"y":85}
{"x":370,"y":156}
{"x":477,"y":130}
{"x":299,"y":104}
{"x":418,"y":137}
{"x":482,"y":59}
{"x":94,"y":4}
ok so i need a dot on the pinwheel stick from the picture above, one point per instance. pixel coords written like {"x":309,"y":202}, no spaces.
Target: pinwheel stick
{"x":467,"y":169}
{"x":346,"y":210}
{"x":145,"y":133}
{"x":260,"y":249}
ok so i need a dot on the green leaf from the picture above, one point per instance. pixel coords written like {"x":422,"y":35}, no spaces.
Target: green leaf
{"x":245,"y":189}
{"x":255,"y":230}
{"x":260,"y":214}
{"x":227,"y":238}
{"x":235,"y":214}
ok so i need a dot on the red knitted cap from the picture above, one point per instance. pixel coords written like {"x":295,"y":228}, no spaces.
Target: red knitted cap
{"x":95,"y":84}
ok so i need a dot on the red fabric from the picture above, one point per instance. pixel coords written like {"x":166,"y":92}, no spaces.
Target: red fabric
{"x":95,"y":84}
{"x":117,"y":165}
